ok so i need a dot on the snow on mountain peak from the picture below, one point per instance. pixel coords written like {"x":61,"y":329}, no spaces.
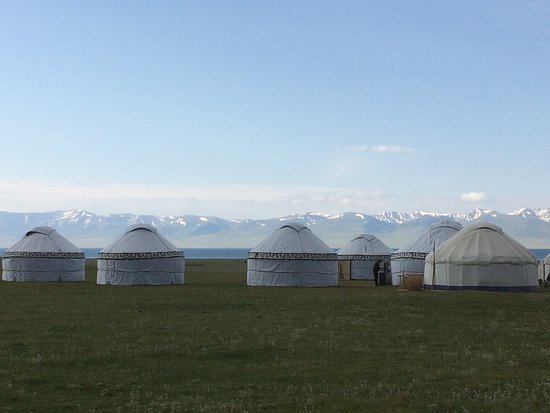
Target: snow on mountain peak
{"x":418,"y":214}
{"x":543,"y":214}
{"x":318,"y":214}
{"x":524,"y":212}
{"x":477,"y":214}
{"x":75,"y":214}
{"x":393,"y":217}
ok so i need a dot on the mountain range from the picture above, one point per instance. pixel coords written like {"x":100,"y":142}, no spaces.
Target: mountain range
{"x":531,"y":227}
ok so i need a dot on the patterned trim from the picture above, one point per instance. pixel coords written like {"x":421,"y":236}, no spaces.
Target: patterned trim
{"x":139,"y":255}
{"x":413,"y":255}
{"x":36,"y":254}
{"x":364,"y":257}
{"x":498,"y":289}
{"x":293,"y":256}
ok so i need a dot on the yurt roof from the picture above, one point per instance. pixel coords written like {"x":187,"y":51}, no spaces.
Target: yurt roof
{"x":547,"y":259}
{"x":45,"y":240}
{"x":293,"y":238}
{"x":140,"y":238}
{"x":437,"y":233}
{"x":482,"y":243}
{"x":365,"y":244}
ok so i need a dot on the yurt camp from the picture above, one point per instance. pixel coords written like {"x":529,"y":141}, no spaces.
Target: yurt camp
{"x":43,"y":255}
{"x":481,"y":257}
{"x":292,"y":256}
{"x":410,"y":259}
{"x":141,"y":256}
{"x":357,"y":259}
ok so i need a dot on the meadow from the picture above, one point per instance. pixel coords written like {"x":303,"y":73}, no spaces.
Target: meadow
{"x":216,"y":345}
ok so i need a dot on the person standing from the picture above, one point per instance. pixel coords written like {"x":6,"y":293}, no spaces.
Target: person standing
{"x":376,"y":270}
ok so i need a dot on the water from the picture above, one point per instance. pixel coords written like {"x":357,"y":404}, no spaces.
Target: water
{"x":540,"y":253}
{"x":194,"y":253}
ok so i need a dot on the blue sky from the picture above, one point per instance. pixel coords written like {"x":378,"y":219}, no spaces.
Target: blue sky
{"x":254,"y":109}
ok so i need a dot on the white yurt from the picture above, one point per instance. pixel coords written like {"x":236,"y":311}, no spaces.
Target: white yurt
{"x":292,"y":256}
{"x":544,"y":268}
{"x":356,"y":260}
{"x":481,"y":257}
{"x":141,"y":256}
{"x":410,"y":259}
{"x":43,"y":255}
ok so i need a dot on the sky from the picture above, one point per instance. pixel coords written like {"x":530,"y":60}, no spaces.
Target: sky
{"x":266,"y":108}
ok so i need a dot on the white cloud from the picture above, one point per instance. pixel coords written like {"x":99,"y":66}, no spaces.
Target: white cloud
{"x":376,"y":148}
{"x":390,"y":149}
{"x":473,"y":196}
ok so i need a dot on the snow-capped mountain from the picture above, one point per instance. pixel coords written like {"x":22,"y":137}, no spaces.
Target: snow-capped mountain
{"x":86,"y":229}
{"x":477,"y":214}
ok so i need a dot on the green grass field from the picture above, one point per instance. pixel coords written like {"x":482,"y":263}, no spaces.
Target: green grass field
{"x":216,"y":345}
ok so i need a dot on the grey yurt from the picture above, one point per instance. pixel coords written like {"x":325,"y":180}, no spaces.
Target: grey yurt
{"x":481,"y":257}
{"x":356,"y":260}
{"x":141,"y":256}
{"x":410,"y":259}
{"x":43,"y":255}
{"x":544,"y":269}
{"x":292,"y":256}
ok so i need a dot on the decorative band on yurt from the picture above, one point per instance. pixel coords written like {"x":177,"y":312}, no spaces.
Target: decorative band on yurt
{"x":139,"y":255}
{"x":293,"y":256}
{"x":38,"y":254}
{"x":364,"y":257}
{"x":412,"y":255}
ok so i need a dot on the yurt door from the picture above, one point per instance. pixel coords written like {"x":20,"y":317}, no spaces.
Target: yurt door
{"x":344,"y":269}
